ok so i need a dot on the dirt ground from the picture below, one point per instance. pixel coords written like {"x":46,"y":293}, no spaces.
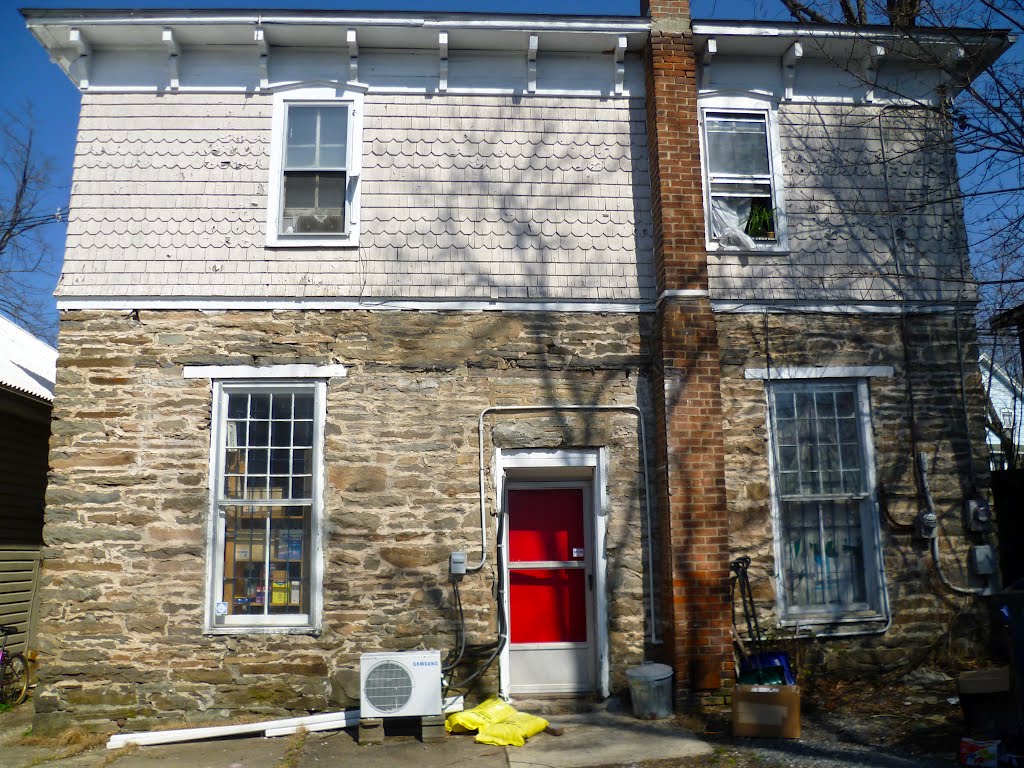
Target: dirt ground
{"x":888,"y":721}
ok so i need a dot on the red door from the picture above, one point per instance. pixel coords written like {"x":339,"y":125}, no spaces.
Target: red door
{"x":549,"y":587}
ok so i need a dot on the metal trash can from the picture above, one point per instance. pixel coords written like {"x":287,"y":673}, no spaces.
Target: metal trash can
{"x":650,"y":688}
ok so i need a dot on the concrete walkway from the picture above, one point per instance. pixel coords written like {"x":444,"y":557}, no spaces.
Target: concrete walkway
{"x":588,"y":740}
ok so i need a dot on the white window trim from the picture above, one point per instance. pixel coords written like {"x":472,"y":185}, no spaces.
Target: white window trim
{"x":875,"y":581}
{"x":319,"y":93}
{"x":748,"y":103}
{"x":285,"y":624}
{"x":285,"y":372}
{"x":823,"y":372}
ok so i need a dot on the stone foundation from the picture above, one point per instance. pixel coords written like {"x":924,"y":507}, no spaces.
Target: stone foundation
{"x":123,"y":600}
{"x":929,"y":623}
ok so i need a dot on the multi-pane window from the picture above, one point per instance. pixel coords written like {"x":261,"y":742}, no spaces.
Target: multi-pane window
{"x":315,"y":169}
{"x":743,"y":208}
{"x":266,"y":504}
{"x":826,"y":531}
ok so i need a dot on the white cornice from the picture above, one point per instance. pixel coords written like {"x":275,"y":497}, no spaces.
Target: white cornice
{"x":238,"y":51}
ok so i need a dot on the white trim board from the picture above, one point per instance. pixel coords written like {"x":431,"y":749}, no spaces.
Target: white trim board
{"x":824,"y":372}
{"x":264,"y":371}
{"x":861,"y":308}
{"x":130,"y":303}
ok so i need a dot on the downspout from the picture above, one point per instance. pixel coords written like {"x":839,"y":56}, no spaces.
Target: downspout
{"x":474,"y":567}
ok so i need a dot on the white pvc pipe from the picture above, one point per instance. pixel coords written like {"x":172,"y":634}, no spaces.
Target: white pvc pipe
{"x":149,"y":738}
{"x":647,"y":484}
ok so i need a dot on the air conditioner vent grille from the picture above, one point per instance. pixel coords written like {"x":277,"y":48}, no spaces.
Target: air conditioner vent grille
{"x":388,"y":686}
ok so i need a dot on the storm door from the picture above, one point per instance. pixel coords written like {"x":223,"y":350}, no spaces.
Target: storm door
{"x":551,"y":589}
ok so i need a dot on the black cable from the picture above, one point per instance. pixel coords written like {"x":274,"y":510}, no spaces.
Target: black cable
{"x":460,"y":631}
{"x":490,"y":650}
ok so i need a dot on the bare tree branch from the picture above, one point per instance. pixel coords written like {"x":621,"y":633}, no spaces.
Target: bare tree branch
{"x":27,"y":209}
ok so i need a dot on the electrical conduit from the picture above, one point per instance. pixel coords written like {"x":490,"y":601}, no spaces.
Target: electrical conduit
{"x":474,"y":567}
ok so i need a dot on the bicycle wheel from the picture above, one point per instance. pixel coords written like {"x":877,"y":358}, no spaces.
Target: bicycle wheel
{"x":14,"y":685}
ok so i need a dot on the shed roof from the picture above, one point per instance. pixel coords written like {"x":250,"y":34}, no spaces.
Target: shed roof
{"x":27,"y":365}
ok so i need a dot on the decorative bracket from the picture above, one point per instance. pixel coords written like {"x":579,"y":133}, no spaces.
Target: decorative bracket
{"x":620,"y":63}
{"x":442,"y":51}
{"x":264,"y":50}
{"x":353,"y":55}
{"x":173,"y":58}
{"x":869,"y":69}
{"x":83,"y":62}
{"x":710,"y":49}
{"x":531,"y":64}
{"x":790,"y":58}
{"x":950,"y":63}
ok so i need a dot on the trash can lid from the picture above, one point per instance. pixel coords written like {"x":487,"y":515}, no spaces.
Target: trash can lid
{"x":649,"y":672}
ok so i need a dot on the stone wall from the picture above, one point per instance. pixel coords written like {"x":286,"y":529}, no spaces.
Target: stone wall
{"x":929,"y":621}
{"x":123,"y":602}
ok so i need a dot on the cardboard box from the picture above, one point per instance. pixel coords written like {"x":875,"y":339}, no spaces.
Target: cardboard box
{"x":982,"y":754}
{"x":766,"y":711}
{"x":985,"y":680}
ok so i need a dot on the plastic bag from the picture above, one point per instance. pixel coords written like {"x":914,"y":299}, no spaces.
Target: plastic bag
{"x":514,"y":730}
{"x":498,"y":723}
{"x":494,"y":710}
{"x":501,"y":735}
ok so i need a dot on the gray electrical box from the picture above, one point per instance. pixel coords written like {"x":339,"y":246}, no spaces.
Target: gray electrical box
{"x":457,"y":564}
{"x":983,"y":560}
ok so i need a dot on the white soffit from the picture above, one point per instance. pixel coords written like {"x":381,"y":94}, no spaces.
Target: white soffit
{"x":965,"y":50}
{"x":112,"y":30}
{"x":242,"y":51}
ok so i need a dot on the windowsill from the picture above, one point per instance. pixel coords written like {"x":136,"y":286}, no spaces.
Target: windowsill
{"x":852,"y":616}
{"x":773,"y":249}
{"x":264,"y":630}
{"x":301,"y":241}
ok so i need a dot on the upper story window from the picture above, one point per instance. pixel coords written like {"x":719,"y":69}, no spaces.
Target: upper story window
{"x":744,"y":202}
{"x":315,"y":165}
{"x":315,"y":161}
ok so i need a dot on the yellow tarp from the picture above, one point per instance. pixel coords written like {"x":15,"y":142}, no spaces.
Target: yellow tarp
{"x":496,"y":723}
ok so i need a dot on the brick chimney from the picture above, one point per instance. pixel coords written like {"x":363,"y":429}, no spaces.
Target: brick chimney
{"x":688,"y":405}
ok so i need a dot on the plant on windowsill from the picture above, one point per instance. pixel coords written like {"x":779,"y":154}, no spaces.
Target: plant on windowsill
{"x":761,"y":224}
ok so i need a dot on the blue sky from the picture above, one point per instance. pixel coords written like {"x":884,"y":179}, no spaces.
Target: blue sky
{"x":33,"y":82}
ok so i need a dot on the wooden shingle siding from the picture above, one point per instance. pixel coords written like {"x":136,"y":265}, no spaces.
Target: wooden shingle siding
{"x":476,"y":197}
{"x":843,"y":220}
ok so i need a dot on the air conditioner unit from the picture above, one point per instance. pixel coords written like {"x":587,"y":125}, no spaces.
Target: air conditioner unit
{"x":400,"y":684}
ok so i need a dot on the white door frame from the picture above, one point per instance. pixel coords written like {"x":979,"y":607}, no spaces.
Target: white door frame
{"x":566,"y":466}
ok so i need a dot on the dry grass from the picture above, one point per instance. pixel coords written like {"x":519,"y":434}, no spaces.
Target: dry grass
{"x":293,"y":750}
{"x":73,"y":741}
{"x":117,"y":754}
